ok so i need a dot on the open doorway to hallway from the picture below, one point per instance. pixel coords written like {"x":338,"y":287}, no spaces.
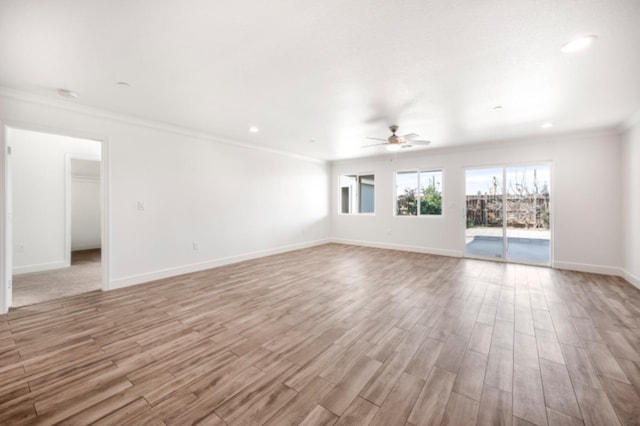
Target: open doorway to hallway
{"x":56,"y":225}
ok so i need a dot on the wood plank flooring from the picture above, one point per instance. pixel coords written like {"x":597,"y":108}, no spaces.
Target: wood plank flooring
{"x":332,"y":335}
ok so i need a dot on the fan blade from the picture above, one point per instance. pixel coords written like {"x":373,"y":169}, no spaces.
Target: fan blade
{"x":375,"y":144}
{"x":376,"y":139}
{"x":411,"y":135}
{"x":420,"y":142}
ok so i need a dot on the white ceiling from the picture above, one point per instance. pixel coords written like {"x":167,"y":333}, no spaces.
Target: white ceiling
{"x":334,"y":71}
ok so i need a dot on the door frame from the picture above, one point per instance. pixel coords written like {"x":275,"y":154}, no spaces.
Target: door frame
{"x":504,"y":167}
{"x":6,"y":204}
{"x":5,"y":225}
{"x":68,"y":180}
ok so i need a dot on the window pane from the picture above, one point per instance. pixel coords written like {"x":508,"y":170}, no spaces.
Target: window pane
{"x":526,"y":212}
{"x":484,"y":201}
{"x":367,"y":194}
{"x":357,"y":194}
{"x":347,"y":193}
{"x":406,"y":185}
{"x":345,"y":197}
{"x":431,"y":193}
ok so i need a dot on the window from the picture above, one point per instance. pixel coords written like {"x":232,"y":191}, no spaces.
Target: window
{"x":419,"y":193}
{"x":357,"y":193}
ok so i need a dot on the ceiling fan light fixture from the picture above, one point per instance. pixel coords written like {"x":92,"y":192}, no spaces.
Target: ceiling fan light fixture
{"x":396,"y":143}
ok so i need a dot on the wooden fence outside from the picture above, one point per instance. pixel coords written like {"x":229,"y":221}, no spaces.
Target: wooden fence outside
{"x":529,"y":211}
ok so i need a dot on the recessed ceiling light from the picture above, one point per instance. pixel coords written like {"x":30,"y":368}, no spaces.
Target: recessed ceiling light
{"x":312,"y":140}
{"x":546,"y":125}
{"x":123,"y":84}
{"x":69,"y":94}
{"x":578,"y":44}
{"x":254,"y":129}
{"x":497,"y":107}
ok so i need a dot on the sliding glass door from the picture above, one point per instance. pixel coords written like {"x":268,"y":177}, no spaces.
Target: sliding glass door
{"x":484,"y":234}
{"x":508,"y":213}
{"x":527,"y":206}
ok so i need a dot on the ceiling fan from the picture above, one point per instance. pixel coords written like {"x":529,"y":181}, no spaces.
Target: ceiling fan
{"x":395,"y":142}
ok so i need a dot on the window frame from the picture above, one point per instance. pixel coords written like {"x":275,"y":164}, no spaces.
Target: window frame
{"x":418,"y":171}
{"x":356,"y":194}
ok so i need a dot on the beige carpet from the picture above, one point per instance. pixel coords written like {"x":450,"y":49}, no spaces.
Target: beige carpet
{"x":83,"y":276}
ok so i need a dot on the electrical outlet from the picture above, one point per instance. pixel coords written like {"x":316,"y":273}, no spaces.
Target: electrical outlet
{"x":196,"y":245}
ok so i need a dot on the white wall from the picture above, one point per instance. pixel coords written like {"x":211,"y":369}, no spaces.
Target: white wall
{"x":38,"y":173}
{"x":237,"y":202}
{"x":584,"y":166}
{"x":631,"y":202}
{"x":85,"y":211}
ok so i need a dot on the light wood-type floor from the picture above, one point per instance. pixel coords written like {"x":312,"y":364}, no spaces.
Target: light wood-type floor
{"x":332,"y":335}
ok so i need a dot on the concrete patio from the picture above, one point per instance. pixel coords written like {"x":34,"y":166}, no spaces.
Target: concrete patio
{"x":528,"y":245}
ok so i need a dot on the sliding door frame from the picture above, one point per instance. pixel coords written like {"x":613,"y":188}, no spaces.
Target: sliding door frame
{"x":504,"y":167}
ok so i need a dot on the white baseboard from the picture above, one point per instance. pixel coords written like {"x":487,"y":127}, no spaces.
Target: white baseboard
{"x":401,"y":247}
{"x":201,"y":266}
{"x":17,"y":270}
{"x":634,"y":280}
{"x":571,"y":266}
{"x":585,"y":267}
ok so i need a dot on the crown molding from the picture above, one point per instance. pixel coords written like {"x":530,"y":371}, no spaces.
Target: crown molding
{"x":72,"y":106}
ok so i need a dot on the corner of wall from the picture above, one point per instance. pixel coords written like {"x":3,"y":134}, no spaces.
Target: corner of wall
{"x":634,"y":280}
{"x":630,"y":204}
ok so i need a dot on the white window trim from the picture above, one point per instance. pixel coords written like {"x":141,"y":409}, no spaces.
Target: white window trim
{"x":357,"y":194}
{"x":417,"y":170}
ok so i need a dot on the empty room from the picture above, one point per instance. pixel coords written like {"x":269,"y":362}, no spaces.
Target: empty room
{"x":389,"y":212}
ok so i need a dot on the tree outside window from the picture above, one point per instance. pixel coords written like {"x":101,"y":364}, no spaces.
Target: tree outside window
{"x":428,"y":186}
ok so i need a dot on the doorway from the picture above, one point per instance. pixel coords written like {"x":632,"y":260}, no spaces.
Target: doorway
{"x":508,"y":213}
{"x":55,"y":190}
